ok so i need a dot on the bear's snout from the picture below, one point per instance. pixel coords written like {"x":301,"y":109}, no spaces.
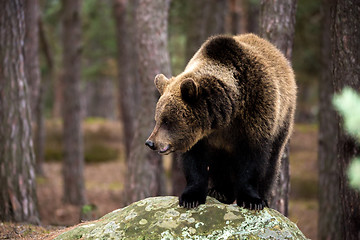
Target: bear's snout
{"x":159,"y":141}
{"x":150,"y":144}
{"x":161,"y":148}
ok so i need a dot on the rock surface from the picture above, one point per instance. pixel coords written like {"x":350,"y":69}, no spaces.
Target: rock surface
{"x":162,"y":218}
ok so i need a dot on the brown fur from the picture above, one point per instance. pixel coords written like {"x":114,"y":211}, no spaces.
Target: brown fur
{"x":278,"y":89}
{"x":234,"y":90}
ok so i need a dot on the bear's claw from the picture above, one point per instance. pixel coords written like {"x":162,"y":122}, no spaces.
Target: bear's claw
{"x":191,"y":199}
{"x":220,"y":196}
{"x":189,"y":205}
{"x":215,"y":194}
{"x":256,"y":205}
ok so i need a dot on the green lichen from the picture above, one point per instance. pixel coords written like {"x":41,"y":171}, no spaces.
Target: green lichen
{"x":162,"y":218}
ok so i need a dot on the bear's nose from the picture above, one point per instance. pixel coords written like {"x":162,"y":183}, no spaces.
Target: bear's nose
{"x":150,"y":144}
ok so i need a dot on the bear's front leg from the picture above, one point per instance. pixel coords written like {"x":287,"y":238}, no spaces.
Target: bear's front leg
{"x":195,"y":169}
{"x":250,"y":174}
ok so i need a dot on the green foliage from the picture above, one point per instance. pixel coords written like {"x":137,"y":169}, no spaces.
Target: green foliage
{"x":307,"y":41}
{"x":98,"y":35}
{"x":53,"y":152}
{"x":87,"y":208}
{"x":98,"y":42}
{"x":99,"y":39}
{"x":303,"y":188}
{"x":54,"y":137}
{"x":354,"y":173}
{"x":97,"y":151}
{"x":347,"y":104}
{"x":306,"y":57}
{"x":177,"y":34}
{"x":101,"y":141}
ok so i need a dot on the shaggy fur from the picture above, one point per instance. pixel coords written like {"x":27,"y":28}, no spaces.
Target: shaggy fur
{"x":230,"y":113}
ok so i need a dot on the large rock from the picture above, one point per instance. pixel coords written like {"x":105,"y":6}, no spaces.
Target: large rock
{"x":162,"y":218}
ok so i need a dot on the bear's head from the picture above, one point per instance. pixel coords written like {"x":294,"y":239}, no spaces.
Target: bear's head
{"x":178,"y":124}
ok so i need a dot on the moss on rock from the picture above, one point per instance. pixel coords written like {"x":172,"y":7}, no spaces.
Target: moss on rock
{"x":162,"y":218}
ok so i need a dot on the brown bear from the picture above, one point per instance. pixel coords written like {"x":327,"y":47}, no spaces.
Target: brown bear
{"x":229,"y":114}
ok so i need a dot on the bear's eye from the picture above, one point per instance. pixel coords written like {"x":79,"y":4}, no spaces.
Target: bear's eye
{"x":165,"y":121}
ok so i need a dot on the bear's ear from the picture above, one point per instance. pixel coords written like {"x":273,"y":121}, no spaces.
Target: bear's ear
{"x":161,"y":82}
{"x":189,"y":91}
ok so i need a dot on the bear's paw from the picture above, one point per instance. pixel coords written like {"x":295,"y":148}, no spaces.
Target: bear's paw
{"x":192,"y":198}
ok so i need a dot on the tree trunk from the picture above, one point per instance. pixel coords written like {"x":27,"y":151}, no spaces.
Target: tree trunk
{"x":73,"y":166}
{"x":32,"y":69}
{"x":100,"y":98}
{"x":39,"y":137}
{"x":40,"y":119}
{"x":145,"y":172}
{"x":127,"y":77}
{"x":33,"y":76}
{"x":236,"y":19}
{"x":329,"y":202}
{"x":18,"y":200}
{"x":204,"y":19}
{"x":252,"y":12}
{"x":339,"y":209}
{"x":277,"y":24}
{"x":58,"y":93}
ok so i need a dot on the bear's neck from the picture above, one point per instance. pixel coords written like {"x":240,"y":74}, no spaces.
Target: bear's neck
{"x":221,"y":101}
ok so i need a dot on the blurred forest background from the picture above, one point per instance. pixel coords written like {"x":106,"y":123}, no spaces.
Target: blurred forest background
{"x":87,"y":90}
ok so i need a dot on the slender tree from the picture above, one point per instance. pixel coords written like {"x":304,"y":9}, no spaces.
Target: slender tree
{"x":145,"y":173}
{"x":204,"y":19}
{"x":32,"y":70}
{"x":277,"y":24}
{"x":73,"y":167}
{"x":127,"y":77}
{"x":236,"y":19}
{"x":329,"y":202}
{"x":339,"y":208}
{"x":40,"y":118}
{"x":251,"y":11}
{"x":99,"y":91}
{"x":18,"y":200}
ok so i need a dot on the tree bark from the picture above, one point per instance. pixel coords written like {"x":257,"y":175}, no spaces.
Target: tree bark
{"x":339,"y":209}
{"x":40,"y":121}
{"x":329,"y":202}
{"x":100,"y":98}
{"x":236,"y":20}
{"x":277,"y":24}
{"x":145,"y":172}
{"x":73,"y":167}
{"x":127,"y":77}
{"x":252,"y":12}
{"x":31,"y":43}
{"x":204,"y":19}
{"x":18,"y":200}
{"x":32,"y":70}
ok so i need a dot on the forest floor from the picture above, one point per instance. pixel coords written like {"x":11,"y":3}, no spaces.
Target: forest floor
{"x":104,"y":184}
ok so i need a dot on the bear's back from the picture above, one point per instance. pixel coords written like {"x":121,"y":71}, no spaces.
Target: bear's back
{"x":278,"y":67}
{"x":263,"y":47}
{"x":248,"y":56}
